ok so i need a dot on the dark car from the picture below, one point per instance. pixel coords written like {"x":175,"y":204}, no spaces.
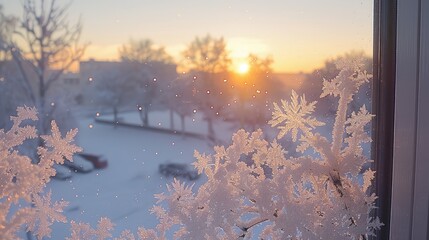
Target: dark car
{"x":79,"y":164}
{"x":178,"y":170}
{"x":98,"y":161}
{"x":61,"y":172}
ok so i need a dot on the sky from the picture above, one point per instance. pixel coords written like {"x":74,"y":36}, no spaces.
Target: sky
{"x":298,"y":34}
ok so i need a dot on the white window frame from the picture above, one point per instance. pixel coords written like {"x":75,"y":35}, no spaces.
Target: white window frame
{"x":410,"y":176}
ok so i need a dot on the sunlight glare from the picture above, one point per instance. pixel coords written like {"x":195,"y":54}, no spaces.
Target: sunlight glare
{"x":243,"y":68}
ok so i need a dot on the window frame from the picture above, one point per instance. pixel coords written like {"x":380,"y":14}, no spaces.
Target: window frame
{"x":402,"y":163}
{"x":383,"y":99}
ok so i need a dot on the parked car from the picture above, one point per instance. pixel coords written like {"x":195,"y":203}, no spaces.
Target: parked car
{"x":79,"y":164}
{"x":62,"y":172}
{"x":98,"y":161}
{"x":178,"y":170}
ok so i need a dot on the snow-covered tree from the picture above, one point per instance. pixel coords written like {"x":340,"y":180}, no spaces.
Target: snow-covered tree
{"x":154,"y":85}
{"x":113,"y":85}
{"x":148,"y":91}
{"x":157,"y":63}
{"x":181,"y":99}
{"x":22,"y":181}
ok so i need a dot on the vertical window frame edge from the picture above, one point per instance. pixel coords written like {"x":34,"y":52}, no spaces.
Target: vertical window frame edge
{"x":421,"y":184}
{"x":383,"y":95}
{"x":406,"y":176}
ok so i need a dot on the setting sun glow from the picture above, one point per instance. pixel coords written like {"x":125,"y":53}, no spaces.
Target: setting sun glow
{"x":243,"y":68}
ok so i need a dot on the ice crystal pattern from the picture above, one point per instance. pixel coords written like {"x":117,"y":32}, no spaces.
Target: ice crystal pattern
{"x":84,"y":230}
{"x":23,"y":181}
{"x":254,"y":190}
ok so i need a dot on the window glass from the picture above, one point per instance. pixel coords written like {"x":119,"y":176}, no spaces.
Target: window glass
{"x":149,"y":82}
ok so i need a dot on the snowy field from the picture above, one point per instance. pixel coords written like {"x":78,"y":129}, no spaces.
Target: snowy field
{"x":124,"y":190}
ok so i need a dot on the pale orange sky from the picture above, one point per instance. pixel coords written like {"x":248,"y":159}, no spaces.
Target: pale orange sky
{"x":298,"y":35}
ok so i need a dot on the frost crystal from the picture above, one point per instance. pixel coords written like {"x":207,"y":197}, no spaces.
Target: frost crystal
{"x":44,"y":215}
{"x":81,"y":231}
{"x":296,"y":116}
{"x":253,"y":184}
{"x":20,"y":179}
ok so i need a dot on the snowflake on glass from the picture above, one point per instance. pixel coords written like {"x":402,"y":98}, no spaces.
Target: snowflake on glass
{"x":21,"y":179}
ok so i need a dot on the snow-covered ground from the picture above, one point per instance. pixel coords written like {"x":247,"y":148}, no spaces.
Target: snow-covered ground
{"x":124,"y":190}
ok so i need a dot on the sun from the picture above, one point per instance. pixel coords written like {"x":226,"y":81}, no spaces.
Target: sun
{"x":243,"y":68}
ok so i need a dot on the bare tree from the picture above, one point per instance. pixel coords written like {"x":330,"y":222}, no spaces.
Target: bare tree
{"x":46,"y":41}
{"x":115,"y":86}
{"x":158,"y":64}
{"x":50,"y":47}
{"x":7,"y":27}
{"x":180,"y":98}
{"x":208,"y":59}
{"x":148,"y":88}
{"x":143,"y":51}
{"x":207,"y":54}
{"x":7,"y":108}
